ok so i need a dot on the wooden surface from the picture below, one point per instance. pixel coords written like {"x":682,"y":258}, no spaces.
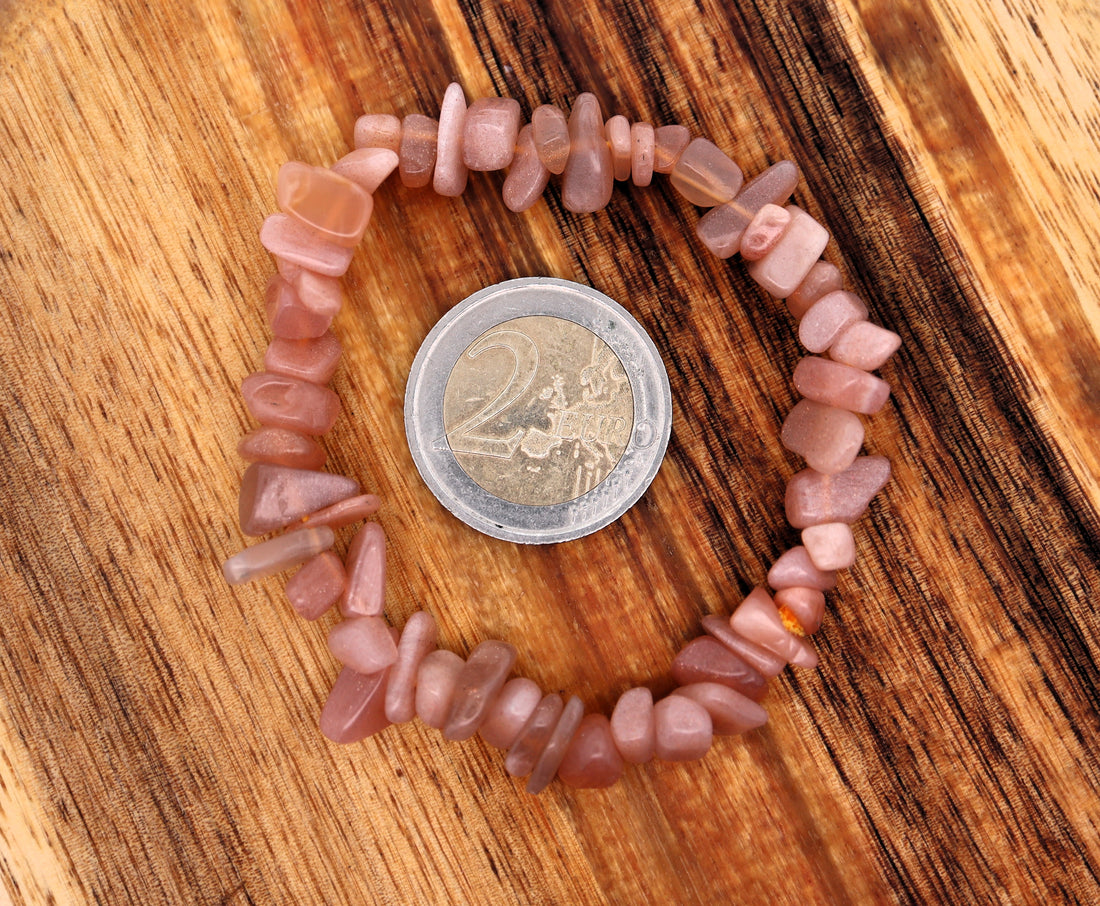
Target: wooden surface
{"x":158,"y":738}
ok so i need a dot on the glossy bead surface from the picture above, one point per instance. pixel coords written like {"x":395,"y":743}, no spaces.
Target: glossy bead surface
{"x":362,"y":643}
{"x":708,"y":660}
{"x":828,"y":318}
{"x":277,"y":554}
{"x":299,"y":244}
{"x":835,"y":384}
{"x":826,"y":437}
{"x":641,"y":153}
{"x":813,"y":498}
{"x":587,"y":182}
{"x":632,"y":725}
{"x":435,"y":686}
{"x":378,"y":130}
{"x":591,"y":761}
{"x":365,"y":594}
{"x":550,"y":132}
{"x":526,"y":750}
{"x":684,"y":730}
{"x":617,"y":130}
{"x":705,"y":175}
{"x":822,"y":278}
{"x":669,"y":143}
{"x":865,"y":345}
{"x":419,"y":137}
{"x":722,"y":228}
{"x":450,"y":172}
{"x":417,"y":640}
{"x":312,"y":360}
{"x":786,"y":265}
{"x":478,"y":684}
{"x":368,"y":168}
{"x":272,"y":497}
{"x":325,"y":201}
{"x":281,"y":447}
{"x":830,"y":545}
{"x":794,"y":567}
{"x":550,"y":758}
{"x":355,"y":706}
{"x":316,"y":586}
{"x":512,"y":709}
{"x":730,"y":712}
{"x":527,"y":177}
{"x":286,"y":402}
{"x":490,"y":132}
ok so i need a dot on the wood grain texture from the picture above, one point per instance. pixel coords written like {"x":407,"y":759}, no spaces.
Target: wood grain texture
{"x":158,"y":738}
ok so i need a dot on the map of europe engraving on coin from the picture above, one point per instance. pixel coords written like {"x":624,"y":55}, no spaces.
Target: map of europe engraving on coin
{"x":538,"y":410}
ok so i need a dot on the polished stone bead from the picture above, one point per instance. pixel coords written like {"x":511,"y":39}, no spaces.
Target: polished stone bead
{"x":285,"y":402}
{"x":527,"y":177}
{"x":758,"y":620}
{"x":317,"y":586}
{"x":828,"y":318}
{"x":684,"y":730}
{"x":281,"y":447}
{"x":299,"y":244}
{"x":766,"y":662}
{"x":478,"y":685}
{"x":525,"y":751}
{"x":813,"y":498}
{"x":272,"y":497}
{"x":277,"y":554}
{"x":617,"y":130}
{"x":822,"y":278}
{"x":435,"y":686}
{"x":786,"y":265}
{"x":763,"y":231}
{"x":324,"y":201}
{"x":805,"y":605}
{"x":418,"y":639}
{"x":587,"y":183}
{"x":826,"y":437}
{"x":289,"y":316}
{"x":450,"y":172}
{"x":722,"y":227}
{"x":707,"y":660}
{"x":362,"y":643}
{"x":366,"y":565}
{"x":419,"y":135}
{"x":865,"y":345}
{"x":632,"y":726}
{"x":317,"y":292}
{"x":345,"y":512}
{"x":550,"y":759}
{"x":510,"y":711}
{"x":669,"y":143}
{"x":641,"y":153}
{"x":794,"y":567}
{"x":355,"y":706}
{"x":705,"y":175}
{"x":730,"y":711}
{"x":550,"y":131}
{"x":368,"y":168}
{"x":378,"y":130}
{"x":842,"y":386}
{"x":830,"y":545}
{"x":312,"y":360}
{"x":591,"y":761}
{"x":490,"y":132}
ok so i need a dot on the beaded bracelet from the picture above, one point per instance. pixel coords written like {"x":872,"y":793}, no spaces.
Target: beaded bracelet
{"x":389,"y":677}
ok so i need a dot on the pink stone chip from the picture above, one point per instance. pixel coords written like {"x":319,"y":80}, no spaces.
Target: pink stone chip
{"x":317,"y":586}
{"x":286,"y":402}
{"x":299,"y":244}
{"x":281,"y":447}
{"x":758,"y":620}
{"x":763,"y":231}
{"x":366,"y":565}
{"x":826,"y":437}
{"x":632,"y":726}
{"x":730,"y":711}
{"x":378,"y":130}
{"x":842,"y":386}
{"x":794,"y":567}
{"x":527,"y":177}
{"x":274,"y":496}
{"x":705,"y":175}
{"x":865,"y":345}
{"x":549,"y":760}
{"x":277,"y":554}
{"x":368,"y":168}
{"x":490,"y":132}
{"x":684,"y":729}
{"x":708,"y":660}
{"x":588,"y":182}
{"x":526,"y":750}
{"x":591,"y":761}
{"x":450,"y":172}
{"x":317,"y":292}
{"x":786,"y":265}
{"x":828,"y":318}
{"x":641,"y":153}
{"x":823,"y":278}
{"x":362,"y":643}
{"x":722,"y":227}
{"x":550,"y":131}
{"x":312,"y":360}
{"x":435,"y":686}
{"x":288,"y":314}
{"x":324,"y":201}
{"x":767,"y":663}
{"x":354,"y":709}
{"x":806,"y":605}
{"x":617,"y":130}
{"x":479,"y":683}
{"x":418,"y":639}
{"x":669,"y":143}
{"x":813,"y":498}
{"x":830,"y":545}
{"x":419,"y":136}
{"x":510,"y":711}
{"x":345,"y":512}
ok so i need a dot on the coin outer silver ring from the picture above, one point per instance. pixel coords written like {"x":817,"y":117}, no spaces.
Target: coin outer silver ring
{"x":454,"y":333}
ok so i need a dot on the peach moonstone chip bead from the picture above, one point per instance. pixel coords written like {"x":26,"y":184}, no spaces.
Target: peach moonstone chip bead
{"x":591,"y":761}
{"x":332,"y":205}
